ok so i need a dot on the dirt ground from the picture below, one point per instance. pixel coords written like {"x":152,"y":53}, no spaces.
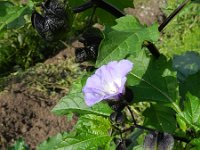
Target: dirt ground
{"x":26,"y":101}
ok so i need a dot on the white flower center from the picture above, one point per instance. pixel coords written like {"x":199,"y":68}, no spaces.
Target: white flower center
{"x":112,"y":87}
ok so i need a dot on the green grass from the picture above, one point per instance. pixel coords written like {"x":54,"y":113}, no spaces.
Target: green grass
{"x":183,"y":32}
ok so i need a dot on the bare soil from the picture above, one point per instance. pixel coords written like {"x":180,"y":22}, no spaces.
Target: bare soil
{"x":26,"y":100}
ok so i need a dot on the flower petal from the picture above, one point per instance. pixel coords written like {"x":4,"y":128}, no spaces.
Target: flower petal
{"x":107,"y":82}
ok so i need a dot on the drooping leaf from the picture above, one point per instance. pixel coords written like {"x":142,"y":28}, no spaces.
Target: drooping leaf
{"x":126,"y":38}
{"x":153,"y":79}
{"x":12,"y":17}
{"x":74,"y":102}
{"x":92,"y":132}
{"x":186,"y":64}
{"x":161,"y":118}
{"x":191,"y":113}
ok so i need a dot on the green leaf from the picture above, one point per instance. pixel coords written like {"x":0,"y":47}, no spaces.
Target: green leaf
{"x":153,"y":79}
{"x":138,"y":147}
{"x":191,"y":113}
{"x":19,"y":145}
{"x":12,"y":16}
{"x":93,"y":124}
{"x":161,"y":118}
{"x":51,"y":143}
{"x":186,"y":64}
{"x":196,"y":1}
{"x":192,"y":85}
{"x":4,"y":8}
{"x":126,"y":38}
{"x":194,"y":144}
{"x":91,"y":133}
{"x":74,"y":102}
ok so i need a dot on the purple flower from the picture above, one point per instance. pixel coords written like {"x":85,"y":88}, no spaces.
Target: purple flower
{"x":108,"y":82}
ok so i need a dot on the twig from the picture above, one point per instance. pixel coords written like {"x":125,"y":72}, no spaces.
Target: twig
{"x":109,"y":7}
{"x":82,"y":7}
{"x":131,"y":112}
{"x":101,"y":4}
{"x":172,"y":15}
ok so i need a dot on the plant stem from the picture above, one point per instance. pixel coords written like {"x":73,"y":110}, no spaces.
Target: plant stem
{"x":152,"y":48}
{"x":101,"y":4}
{"x":109,"y":7}
{"x":131,"y":112}
{"x":172,"y":15}
{"x":82,"y":7}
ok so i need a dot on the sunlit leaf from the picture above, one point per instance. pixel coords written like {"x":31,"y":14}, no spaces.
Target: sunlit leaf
{"x":12,"y":16}
{"x":92,"y":132}
{"x":126,"y":38}
{"x":191,"y":112}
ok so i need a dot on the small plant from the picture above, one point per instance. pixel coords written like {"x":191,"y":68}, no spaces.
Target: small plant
{"x":128,"y":70}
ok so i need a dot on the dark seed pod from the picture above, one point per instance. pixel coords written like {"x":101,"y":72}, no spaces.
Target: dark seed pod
{"x":160,"y":141}
{"x":128,"y":142}
{"x":129,"y":95}
{"x":116,"y":105}
{"x":117,"y":117}
{"x":150,"y":141}
{"x":86,"y":53}
{"x":55,"y":20}
{"x":121,"y":145}
{"x":165,"y":141}
{"x":91,"y":39}
{"x":81,"y":54}
{"x":92,"y":36}
{"x":90,"y":68}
